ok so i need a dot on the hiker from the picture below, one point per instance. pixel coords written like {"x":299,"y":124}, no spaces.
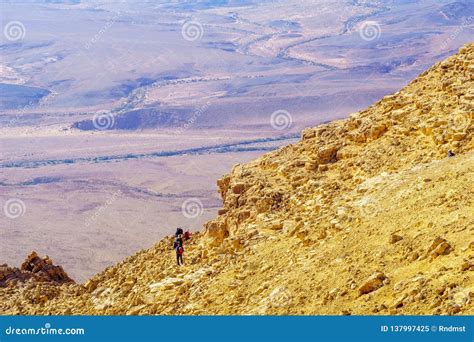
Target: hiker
{"x":178,"y":247}
{"x":179,"y":231}
{"x":451,"y":153}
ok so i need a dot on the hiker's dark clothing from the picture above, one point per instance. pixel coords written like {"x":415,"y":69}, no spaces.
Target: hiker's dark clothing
{"x":179,"y":231}
{"x":178,"y":247}
{"x":178,"y":243}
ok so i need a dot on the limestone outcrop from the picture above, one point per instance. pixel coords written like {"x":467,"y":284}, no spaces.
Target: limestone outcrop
{"x":33,"y":269}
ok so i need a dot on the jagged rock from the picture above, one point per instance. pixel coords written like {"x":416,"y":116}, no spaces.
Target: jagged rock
{"x":377,"y":131}
{"x":398,"y":303}
{"x":136,"y":309}
{"x":34,"y":268}
{"x":222,"y":211}
{"x":216,"y":231}
{"x":275,"y":226}
{"x":308,"y":133}
{"x":394,"y":238}
{"x":328,"y":153}
{"x":238,"y":188}
{"x":374,"y":282}
{"x":223,"y":186}
{"x":467,"y":265}
{"x":242,"y":215}
{"x":439,"y":247}
{"x":91,"y":285}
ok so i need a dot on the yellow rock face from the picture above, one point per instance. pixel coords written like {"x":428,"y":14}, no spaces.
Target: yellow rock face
{"x":366,"y":215}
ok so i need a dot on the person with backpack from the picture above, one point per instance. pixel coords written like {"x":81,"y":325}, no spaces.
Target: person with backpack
{"x":178,"y":247}
{"x":179,"y":231}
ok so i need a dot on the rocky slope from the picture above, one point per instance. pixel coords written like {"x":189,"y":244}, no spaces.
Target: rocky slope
{"x":366,"y":215}
{"x":34,"y":269}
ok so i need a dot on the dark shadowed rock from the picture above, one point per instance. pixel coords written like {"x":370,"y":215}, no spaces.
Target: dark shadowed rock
{"x":34,"y":268}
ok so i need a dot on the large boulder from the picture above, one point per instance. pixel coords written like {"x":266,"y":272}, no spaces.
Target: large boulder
{"x":374,"y":282}
{"x":35,"y":268}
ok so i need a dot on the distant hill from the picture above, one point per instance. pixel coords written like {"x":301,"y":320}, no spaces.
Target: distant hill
{"x":14,"y":96}
{"x":137,"y":119}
